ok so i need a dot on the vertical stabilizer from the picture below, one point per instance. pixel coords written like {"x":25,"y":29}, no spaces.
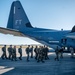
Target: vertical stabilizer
{"x":17,"y":17}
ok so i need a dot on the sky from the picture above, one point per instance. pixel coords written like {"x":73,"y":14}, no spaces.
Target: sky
{"x":49,"y":14}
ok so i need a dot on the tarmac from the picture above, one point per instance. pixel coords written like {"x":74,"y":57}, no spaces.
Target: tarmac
{"x":65,"y":66}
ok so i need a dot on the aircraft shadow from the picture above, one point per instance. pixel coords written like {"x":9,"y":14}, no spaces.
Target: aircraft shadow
{"x":65,"y":66}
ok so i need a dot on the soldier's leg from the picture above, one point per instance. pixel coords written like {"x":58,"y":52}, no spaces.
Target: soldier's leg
{"x":73,"y":54}
{"x":35,"y":55}
{"x":32,"y":54}
{"x":42,"y":59}
{"x":27,"y":57}
{"x":47,"y":56}
{"x":58,"y":57}
{"x":21,"y":56}
{"x":38,"y":58}
{"x":12,"y":57}
{"x":2,"y":56}
{"x":15,"y":57}
{"x":6,"y":56}
{"x":61,"y":56}
{"x":9,"y":56}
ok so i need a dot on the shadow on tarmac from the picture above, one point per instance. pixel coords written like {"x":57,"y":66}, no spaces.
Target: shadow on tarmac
{"x":65,"y":66}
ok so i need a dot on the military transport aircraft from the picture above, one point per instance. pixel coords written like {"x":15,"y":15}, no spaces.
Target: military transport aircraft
{"x":19,"y":25}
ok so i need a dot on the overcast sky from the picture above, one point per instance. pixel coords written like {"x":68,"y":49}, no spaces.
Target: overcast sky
{"x":51,"y":14}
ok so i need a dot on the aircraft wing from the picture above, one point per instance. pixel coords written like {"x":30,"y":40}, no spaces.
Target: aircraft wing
{"x":10,"y":31}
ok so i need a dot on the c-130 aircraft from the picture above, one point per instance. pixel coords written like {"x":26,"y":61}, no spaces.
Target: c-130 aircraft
{"x":19,"y":25}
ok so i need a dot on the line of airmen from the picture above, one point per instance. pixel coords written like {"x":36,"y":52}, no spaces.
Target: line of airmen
{"x":11,"y":52}
{"x":59,"y":52}
{"x":41,"y":53}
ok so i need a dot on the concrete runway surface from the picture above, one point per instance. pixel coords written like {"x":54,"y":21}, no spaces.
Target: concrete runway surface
{"x":65,"y":66}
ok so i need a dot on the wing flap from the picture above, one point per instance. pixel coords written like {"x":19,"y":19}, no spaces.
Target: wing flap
{"x":10,"y":31}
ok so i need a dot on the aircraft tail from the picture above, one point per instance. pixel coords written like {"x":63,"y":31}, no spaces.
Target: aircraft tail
{"x":17,"y":17}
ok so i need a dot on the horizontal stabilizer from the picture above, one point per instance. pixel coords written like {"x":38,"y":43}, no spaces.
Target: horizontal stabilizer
{"x":10,"y":31}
